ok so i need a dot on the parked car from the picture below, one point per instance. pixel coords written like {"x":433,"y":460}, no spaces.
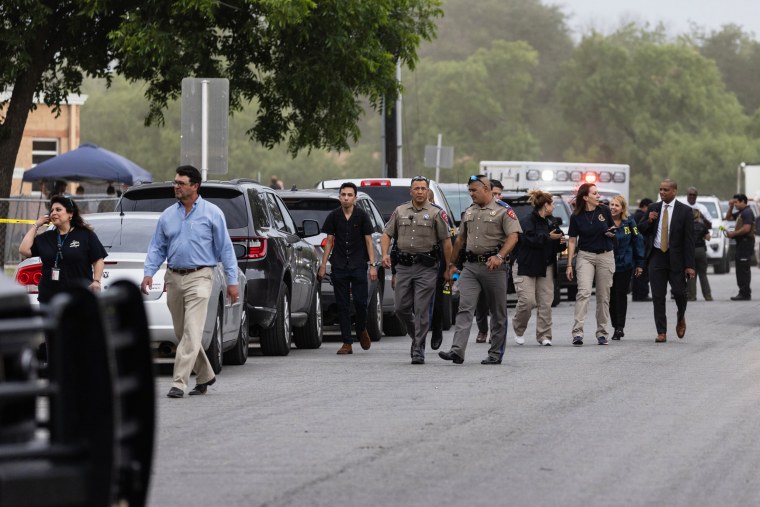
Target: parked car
{"x":718,"y":255}
{"x":281,"y":290}
{"x":317,"y":204}
{"x":126,"y":239}
{"x":388,"y":194}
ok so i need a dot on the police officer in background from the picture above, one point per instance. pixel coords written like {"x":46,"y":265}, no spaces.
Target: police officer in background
{"x":419,"y":228}
{"x":489,"y":231}
{"x":744,"y":234}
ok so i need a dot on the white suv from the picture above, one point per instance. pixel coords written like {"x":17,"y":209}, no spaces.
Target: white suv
{"x":717,"y":246}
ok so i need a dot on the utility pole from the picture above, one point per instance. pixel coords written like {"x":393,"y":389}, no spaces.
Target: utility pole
{"x":392,"y":135}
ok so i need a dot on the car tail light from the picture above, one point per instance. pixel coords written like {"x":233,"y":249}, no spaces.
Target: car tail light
{"x":324,"y":243}
{"x":29,"y":277}
{"x":375,"y":183}
{"x":256,"y":247}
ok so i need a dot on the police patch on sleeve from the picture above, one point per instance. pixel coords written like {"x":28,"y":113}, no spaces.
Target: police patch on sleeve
{"x":444,"y":216}
{"x":511,"y":214}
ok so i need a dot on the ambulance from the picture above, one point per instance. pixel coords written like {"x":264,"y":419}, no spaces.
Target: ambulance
{"x":559,"y":177}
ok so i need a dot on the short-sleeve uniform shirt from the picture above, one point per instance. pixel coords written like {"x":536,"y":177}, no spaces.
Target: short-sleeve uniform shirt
{"x":590,"y":227}
{"x":418,"y":230}
{"x":486,"y":228}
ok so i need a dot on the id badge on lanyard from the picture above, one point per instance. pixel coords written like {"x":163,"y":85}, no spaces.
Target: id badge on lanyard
{"x":55,"y":274}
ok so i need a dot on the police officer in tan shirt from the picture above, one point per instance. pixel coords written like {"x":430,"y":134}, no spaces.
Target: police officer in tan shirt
{"x":419,"y":229}
{"x":489,"y":231}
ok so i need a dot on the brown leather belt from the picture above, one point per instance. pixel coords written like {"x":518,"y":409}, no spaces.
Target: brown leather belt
{"x":185,"y":271}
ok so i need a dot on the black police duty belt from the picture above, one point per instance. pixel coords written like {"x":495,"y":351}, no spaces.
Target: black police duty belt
{"x":480,"y":258}
{"x":428,"y":259}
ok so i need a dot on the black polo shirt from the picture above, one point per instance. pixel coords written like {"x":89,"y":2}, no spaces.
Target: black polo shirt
{"x":349,"y":248}
{"x":590,"y":228}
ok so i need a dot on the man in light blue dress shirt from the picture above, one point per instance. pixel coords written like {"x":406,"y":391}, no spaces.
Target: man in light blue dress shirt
{"x":192,"y":236}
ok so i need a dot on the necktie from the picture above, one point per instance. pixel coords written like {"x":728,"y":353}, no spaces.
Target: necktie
{"x":664,"y":230}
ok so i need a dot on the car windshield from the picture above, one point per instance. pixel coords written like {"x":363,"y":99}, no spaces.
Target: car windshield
{"x":128,"y":235}
{"x":711,"y":208}
{"x":387,"y":198}
{"x":313,"y":209}
{"x":459,"y":199}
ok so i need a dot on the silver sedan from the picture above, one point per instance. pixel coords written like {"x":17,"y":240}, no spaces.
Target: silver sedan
{"x":126,"y":238}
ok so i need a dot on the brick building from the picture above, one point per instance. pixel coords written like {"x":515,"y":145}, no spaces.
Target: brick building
{"x":45,"y":136}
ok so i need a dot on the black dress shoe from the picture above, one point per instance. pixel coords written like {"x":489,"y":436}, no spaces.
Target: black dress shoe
{"x":436,"y":340}
{"x":175,"y":392}
{"x":418,"y":360}
{"x":739,"y":297}
{"x":490,"y":360}
{"x":451,"y":356}
{"x":202,"y":388}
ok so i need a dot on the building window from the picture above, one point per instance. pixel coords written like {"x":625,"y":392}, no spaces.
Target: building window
{"x":43,"y":149}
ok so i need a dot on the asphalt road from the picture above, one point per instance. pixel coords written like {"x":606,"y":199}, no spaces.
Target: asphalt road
{"x":633,"y":423}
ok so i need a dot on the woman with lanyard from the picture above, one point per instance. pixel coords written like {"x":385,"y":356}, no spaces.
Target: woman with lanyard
{"x":629,"y":258}
{"x":591,"y":232}
{"x":71,"y":253}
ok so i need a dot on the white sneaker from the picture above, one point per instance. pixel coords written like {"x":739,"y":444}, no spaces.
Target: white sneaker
{"x":519,"y":340}
{"x":546,"y":342}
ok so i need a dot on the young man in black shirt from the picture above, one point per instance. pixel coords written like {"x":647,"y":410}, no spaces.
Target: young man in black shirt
{"x":349,"y":240}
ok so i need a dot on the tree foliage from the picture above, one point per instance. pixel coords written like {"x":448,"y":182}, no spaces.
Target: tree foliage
{"x":630,"y":95}
{"x":305,"y":64}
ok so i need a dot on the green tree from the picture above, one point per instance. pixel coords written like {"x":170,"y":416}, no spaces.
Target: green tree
{"x":737,"y":55}
{"x":479,"y":105}
{"x":628,"y":94}
{"x":305,"y":64}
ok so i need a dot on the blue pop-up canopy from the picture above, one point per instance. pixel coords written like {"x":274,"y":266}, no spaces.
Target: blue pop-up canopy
{"x":89,"y":162}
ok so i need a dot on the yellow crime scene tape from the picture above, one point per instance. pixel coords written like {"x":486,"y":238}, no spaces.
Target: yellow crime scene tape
{"x":16,"y":221}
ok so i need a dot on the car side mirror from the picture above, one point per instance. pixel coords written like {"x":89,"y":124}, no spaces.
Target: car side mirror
{"x":240,"y":250}
{"x":310,"y":228}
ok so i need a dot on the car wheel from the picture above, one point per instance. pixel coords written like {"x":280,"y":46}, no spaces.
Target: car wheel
{"x":375,"y":315}
{"x":446,"y":310}
{"x":723,"y":266}
{"x":310,"y":335}
{"x":275,"y":341}
{"x":239,"y":353}
{"x":214,"y":351}
{"x":392,"y":325}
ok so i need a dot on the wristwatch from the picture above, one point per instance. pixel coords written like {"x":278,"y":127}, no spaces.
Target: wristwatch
{"x":375,"y":264}
{"x":500,"y":257}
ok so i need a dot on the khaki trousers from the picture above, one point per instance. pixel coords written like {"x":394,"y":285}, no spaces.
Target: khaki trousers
{"x":187,"y":298}
{"x":590,"y":268}
{"x":534,"y":292}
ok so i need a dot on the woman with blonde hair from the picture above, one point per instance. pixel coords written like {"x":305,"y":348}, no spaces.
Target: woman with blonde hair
{"x":535,"y":269}
{"x":629,"y":258}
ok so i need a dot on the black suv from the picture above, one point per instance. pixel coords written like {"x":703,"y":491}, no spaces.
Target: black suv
{"x":279,"y":265}
{"x":318,"y":204}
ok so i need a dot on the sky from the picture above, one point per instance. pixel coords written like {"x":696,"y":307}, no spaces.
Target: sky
{"x":606,"y":15}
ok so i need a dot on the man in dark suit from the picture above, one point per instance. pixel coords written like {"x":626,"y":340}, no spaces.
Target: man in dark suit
{"x":669,"y":230}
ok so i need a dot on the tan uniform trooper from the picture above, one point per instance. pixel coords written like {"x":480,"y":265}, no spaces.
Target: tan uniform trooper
{"x":489,"y":232}
{"x":420,"y":229}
